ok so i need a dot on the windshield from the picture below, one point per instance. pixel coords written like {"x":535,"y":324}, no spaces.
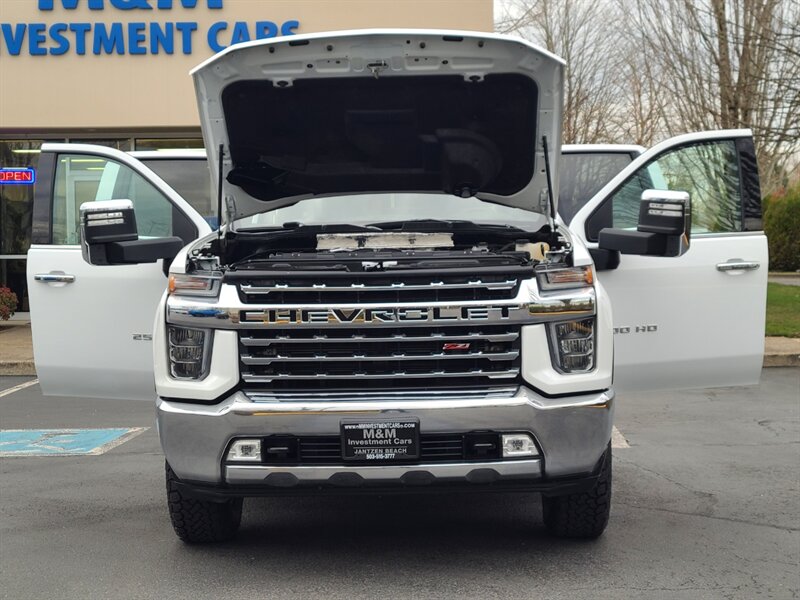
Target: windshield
{"x":363,"y":209}
{"x":582,"y":175}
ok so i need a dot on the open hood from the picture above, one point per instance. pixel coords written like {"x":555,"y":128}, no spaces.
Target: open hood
{"x":373,"y":111}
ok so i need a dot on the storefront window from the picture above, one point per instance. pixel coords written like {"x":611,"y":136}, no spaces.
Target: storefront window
{"x":168,"y":144}
{"x":16,"y":201}
{"x":16,"y":209}
{"x":123,"y":144}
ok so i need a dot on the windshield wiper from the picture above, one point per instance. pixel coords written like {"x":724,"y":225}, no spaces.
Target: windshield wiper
{"x":424,"y":225}
{"x":294,"y":227}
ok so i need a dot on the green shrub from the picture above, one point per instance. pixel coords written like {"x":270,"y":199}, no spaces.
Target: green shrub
{"x":8,"y":303}
{"x":782,"y":226}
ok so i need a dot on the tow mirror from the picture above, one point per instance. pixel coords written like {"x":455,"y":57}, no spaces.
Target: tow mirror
{"x":108,"y":221}
{"x":109,"y":236}
{"x":664,"y":229}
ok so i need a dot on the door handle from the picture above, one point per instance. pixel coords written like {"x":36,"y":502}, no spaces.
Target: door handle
{"x":54,"y":278}
{"x":738,"y":265}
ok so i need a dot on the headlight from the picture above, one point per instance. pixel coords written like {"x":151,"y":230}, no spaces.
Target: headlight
{"x":189,"y":352}
{"x":564,"y":278}
{"x":572,"y":345}
{"x":194,"y":285}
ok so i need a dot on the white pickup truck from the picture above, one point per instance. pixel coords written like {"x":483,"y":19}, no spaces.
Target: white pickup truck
{"x":392,"y":303}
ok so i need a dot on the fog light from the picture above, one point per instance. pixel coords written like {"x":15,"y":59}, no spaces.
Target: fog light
{"x":518,"y":444}
{"x":249,"y":450}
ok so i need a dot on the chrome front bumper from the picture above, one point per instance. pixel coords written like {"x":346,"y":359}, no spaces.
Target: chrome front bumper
{"x":572,"y":432}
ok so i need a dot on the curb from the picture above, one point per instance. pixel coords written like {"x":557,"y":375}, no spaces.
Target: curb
{"x":782,"y":360}
{"x":17,"y":367}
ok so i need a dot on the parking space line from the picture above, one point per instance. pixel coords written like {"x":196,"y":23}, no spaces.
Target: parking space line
{"x":19,"y":387}
{"x":618,"y":440}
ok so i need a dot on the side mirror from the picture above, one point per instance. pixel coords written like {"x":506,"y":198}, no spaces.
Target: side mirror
{"x":664,"y":229}
{"x":109,"y":236}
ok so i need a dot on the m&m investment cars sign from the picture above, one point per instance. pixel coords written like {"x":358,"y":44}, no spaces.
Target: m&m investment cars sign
{"x":135,"y":37}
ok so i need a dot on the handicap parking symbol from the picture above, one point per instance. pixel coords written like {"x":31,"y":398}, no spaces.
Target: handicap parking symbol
{"x":63,"y":442}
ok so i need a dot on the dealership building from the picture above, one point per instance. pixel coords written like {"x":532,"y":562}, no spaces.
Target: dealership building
{"x":116,"y":73}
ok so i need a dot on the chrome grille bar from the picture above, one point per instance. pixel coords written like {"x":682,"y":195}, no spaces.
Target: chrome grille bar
{"x":355,"y":287}
{"x":490,"y":337}
{"x":252,"y":378}
{"x":266,"y":360}
{"x":411,"y":395}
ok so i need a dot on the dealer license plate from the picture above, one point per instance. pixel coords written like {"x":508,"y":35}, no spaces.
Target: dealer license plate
{"x":391,"y":439}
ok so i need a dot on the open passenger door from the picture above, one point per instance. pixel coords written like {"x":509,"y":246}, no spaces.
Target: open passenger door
{"x":696,"y":320}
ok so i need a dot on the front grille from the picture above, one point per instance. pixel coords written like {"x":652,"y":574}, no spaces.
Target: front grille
{"x":385,"y":357}
{"x":380,"y":287}
{"x":434,"y":447}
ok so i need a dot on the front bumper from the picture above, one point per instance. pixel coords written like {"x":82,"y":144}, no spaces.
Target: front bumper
{"x":572,"y":433}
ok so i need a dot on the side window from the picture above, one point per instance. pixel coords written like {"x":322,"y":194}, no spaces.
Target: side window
{"x":708,"y":171}
{"x":85,"y":178}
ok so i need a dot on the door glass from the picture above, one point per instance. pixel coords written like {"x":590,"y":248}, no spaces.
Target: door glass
{"x":85,"y":178}
{"x":708,"y":171}
{"x":582,"y":174}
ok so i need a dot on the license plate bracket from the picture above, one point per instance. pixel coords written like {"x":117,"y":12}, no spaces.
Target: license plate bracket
{"x":380,"y":440}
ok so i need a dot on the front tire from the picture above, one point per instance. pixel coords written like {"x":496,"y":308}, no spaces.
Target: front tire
{"x":200,"y":521}
{"x":583,"y":515}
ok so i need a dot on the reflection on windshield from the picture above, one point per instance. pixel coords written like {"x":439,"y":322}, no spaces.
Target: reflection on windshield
{"x":371,"y":208}
{"x":191,"y":179}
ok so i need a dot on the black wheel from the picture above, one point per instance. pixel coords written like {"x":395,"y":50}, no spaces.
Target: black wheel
{"x":196,"y":521}
{"x":583,"y":515}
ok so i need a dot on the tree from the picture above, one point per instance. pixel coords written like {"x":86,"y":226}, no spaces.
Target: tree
{"x":582,"y":33}
{"x":727,"y":64}
{"x":639,"y":70}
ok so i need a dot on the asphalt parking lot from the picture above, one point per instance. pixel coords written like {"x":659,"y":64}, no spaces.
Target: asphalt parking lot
{"x":706,"y":505}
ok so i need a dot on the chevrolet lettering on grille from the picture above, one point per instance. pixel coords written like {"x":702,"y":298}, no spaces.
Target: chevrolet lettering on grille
{"x":377,"y":316}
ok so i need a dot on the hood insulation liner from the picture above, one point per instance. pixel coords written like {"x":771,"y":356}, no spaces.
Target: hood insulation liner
{"x":402,"y":133}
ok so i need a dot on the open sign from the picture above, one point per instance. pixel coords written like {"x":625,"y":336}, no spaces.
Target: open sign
{"x":24,"y":176}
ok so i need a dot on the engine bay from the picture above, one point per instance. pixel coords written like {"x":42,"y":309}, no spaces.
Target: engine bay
{"x":394,"y":247}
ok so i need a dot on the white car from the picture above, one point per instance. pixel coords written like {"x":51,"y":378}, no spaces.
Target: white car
{"x":392,"y":303}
